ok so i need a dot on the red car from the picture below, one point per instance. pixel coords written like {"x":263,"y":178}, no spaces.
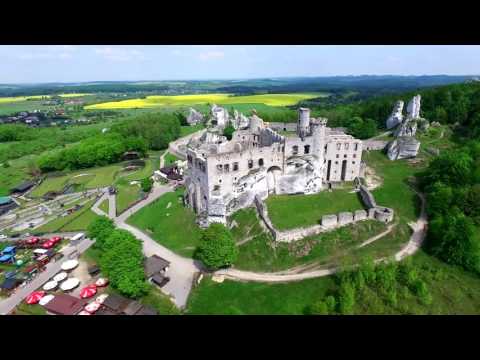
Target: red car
{"x":56,"y":239}
{"x":49,"y":244}
{"x":33,"y":240}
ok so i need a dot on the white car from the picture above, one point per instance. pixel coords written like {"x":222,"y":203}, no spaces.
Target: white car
{"x":2,"y":237}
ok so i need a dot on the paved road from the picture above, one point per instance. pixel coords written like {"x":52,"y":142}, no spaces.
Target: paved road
{"x":182,"y":270}
{"x":413,"y":245}
{"x":7,"y":305}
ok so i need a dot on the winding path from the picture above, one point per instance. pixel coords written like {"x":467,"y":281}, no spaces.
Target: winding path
{"x":413,"y":245}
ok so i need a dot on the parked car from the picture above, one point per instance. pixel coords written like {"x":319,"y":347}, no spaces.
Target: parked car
{"x":3,"y":237}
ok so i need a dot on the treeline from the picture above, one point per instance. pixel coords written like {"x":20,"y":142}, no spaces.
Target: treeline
{"x":375,"y":289}
{"x":120,"y":257}
{"x":140,"y":133}
{"x":452,"y":186}
{"x":99,"y":150}
{"x":157,"y":129}
{"x":22,"y":140}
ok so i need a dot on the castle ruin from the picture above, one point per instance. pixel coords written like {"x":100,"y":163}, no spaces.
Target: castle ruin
{"x":225,"y":176}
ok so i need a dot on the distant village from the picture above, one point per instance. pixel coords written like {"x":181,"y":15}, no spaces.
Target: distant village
{"x":56,"y":115}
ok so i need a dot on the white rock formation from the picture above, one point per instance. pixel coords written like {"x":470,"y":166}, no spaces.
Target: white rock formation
{"x":403,"y":147}
{"x":407,"y":128}
{"x":219,"y":116}
{"x":396,"y":117}
{"x":194,"y":117}
{"x":240,"y":121}
{"x":413,"y":107}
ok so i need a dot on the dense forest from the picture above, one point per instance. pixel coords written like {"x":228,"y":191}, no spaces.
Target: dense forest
{"x":139,"y":133}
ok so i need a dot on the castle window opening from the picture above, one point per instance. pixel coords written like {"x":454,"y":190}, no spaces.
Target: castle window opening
{"x":337,"y":156}
{"x":356,"y":146}
{"x":295,"y":150}
{"x":260,"y":162}
{"x":220,"y":167}
{"x":216,"y":188}
{"x":235,"y":166}
{"x":250,"y":164}
{"x":226,"y":167}
{"x":354,"y":155}
{"x":219,"y":180}
{"x":307,"y":149}
{"x":339,"y":146}
{"x":346,"y":146}
{"x":345,"y":156}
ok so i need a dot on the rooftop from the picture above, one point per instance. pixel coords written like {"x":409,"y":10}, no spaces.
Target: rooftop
{"x":63,"y":304}
{"x":154,"y":264}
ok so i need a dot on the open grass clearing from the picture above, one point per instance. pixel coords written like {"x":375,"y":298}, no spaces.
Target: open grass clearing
{"x":170,"y":225}
{"x":291,"y":211}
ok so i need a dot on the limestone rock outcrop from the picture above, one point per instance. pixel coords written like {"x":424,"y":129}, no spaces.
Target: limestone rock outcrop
{"x":403,"y":147}
{"x":194,"y":117}
{"x":396,"y":117}
{"x":219,"y":116}
{"x":240,"y":121}
{"x":413,"y":107}
{"x":407,"y":128}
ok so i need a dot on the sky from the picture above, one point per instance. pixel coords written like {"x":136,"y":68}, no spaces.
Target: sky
{"x":84,"y":63}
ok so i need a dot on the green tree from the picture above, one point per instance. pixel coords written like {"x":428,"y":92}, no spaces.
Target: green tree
{"x":147,"y":184}
{"x":318,"y":308}
{"x":346,"y":298}
{"x":228,"y":131}
{"x":217,"y":247}
{"x":100,"y":229}
{"x":122,"y":262}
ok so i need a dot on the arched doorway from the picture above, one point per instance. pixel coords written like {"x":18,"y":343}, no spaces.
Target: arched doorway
{"x":272,"y":177}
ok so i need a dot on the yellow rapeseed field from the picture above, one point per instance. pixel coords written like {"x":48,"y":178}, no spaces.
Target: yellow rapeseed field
{"x":4,"y":100}
{"x":198,"y":99}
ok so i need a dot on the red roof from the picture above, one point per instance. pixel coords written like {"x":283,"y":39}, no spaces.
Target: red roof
{"x":63,"y":304}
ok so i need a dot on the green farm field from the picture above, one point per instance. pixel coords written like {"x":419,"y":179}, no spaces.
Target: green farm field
{"x":198,"y":99}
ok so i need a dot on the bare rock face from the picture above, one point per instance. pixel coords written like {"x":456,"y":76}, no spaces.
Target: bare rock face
{"x":396,"y":117}
{"x":240,"y":121}
{"x":219,"y":116}
{"x":406,"y":128}
{"x":413,"y":107}
{"x":194,"y":117}
{"x":403,"y":147}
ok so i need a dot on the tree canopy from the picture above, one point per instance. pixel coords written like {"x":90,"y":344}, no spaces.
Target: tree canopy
{"x":217,"y":247}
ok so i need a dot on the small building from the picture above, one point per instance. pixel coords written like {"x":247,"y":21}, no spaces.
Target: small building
{"x":10,"y":284}
{"x":131,"y":155}
{"x":22,"y":188}
{"x":6,"y":204}
{"x":63,"y":304}
{"x":116,"y":303}
{"x":160,"y":279}
{"x":172,"y":172}
{"x":155,"y":265}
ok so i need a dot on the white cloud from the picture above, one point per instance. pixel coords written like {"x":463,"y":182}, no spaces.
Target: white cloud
{"x":62,"y":52}
{"x":120,"y":54}
{"x":211,"y":55}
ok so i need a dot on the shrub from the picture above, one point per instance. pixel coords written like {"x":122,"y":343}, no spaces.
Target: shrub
{"x":217,"y":248}
{"x":100,"y":229}
{"x":318,"y":308}
{"x":346,"y":298}
{"x":147,"y":184}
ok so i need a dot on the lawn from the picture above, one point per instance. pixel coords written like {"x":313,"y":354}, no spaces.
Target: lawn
{"x":170,"y":159}
{"x":291,"y":211}
{"x":159,"y":301}
{"x":24,"y":309}
{"x":453,"y":290}
{"x":187,"y":130}
{"x":104,"y":206}
{"x":78,"y":220}
{"x":395,"y":192}
{"x":198,"y":99}
{"x":127,"y":195}
{"x":262,"y":253}
{"x":173,"y":227}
